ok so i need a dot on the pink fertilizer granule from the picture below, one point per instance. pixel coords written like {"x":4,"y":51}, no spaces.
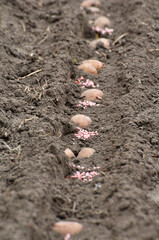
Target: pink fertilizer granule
{"x":87,"y":83}
{"x":67,"y":236}
{"x":84,"y":134}
{"x":81,"y":167}
{"x":85,"y":176}
{"x":84,"y":104}
{"x":103,"y":30}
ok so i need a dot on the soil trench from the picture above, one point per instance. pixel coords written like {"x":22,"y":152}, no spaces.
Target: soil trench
{"x":42,"y":43}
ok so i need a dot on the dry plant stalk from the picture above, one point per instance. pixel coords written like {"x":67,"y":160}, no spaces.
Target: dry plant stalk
{"x":27,"y":120}
{"x":119,"y":38}
{"x":43,"y":40}
{"x":17,"y":149}
{"x":23,"y":25}
{"x":30,"y":74}
{"x":40,"y":3}
{"x":37,"y":94}
{"x":153,"y":50}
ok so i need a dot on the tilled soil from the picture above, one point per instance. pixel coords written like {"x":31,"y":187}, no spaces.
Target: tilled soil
{"x":41,"y":45}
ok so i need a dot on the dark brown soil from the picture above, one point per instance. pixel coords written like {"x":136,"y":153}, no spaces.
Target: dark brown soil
{"x":36,"y":190}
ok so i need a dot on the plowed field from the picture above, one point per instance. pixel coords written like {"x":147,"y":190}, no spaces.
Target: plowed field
{"x":42,"y":43}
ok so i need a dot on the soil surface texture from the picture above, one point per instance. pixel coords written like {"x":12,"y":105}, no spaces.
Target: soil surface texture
{"x":42,"y":43}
